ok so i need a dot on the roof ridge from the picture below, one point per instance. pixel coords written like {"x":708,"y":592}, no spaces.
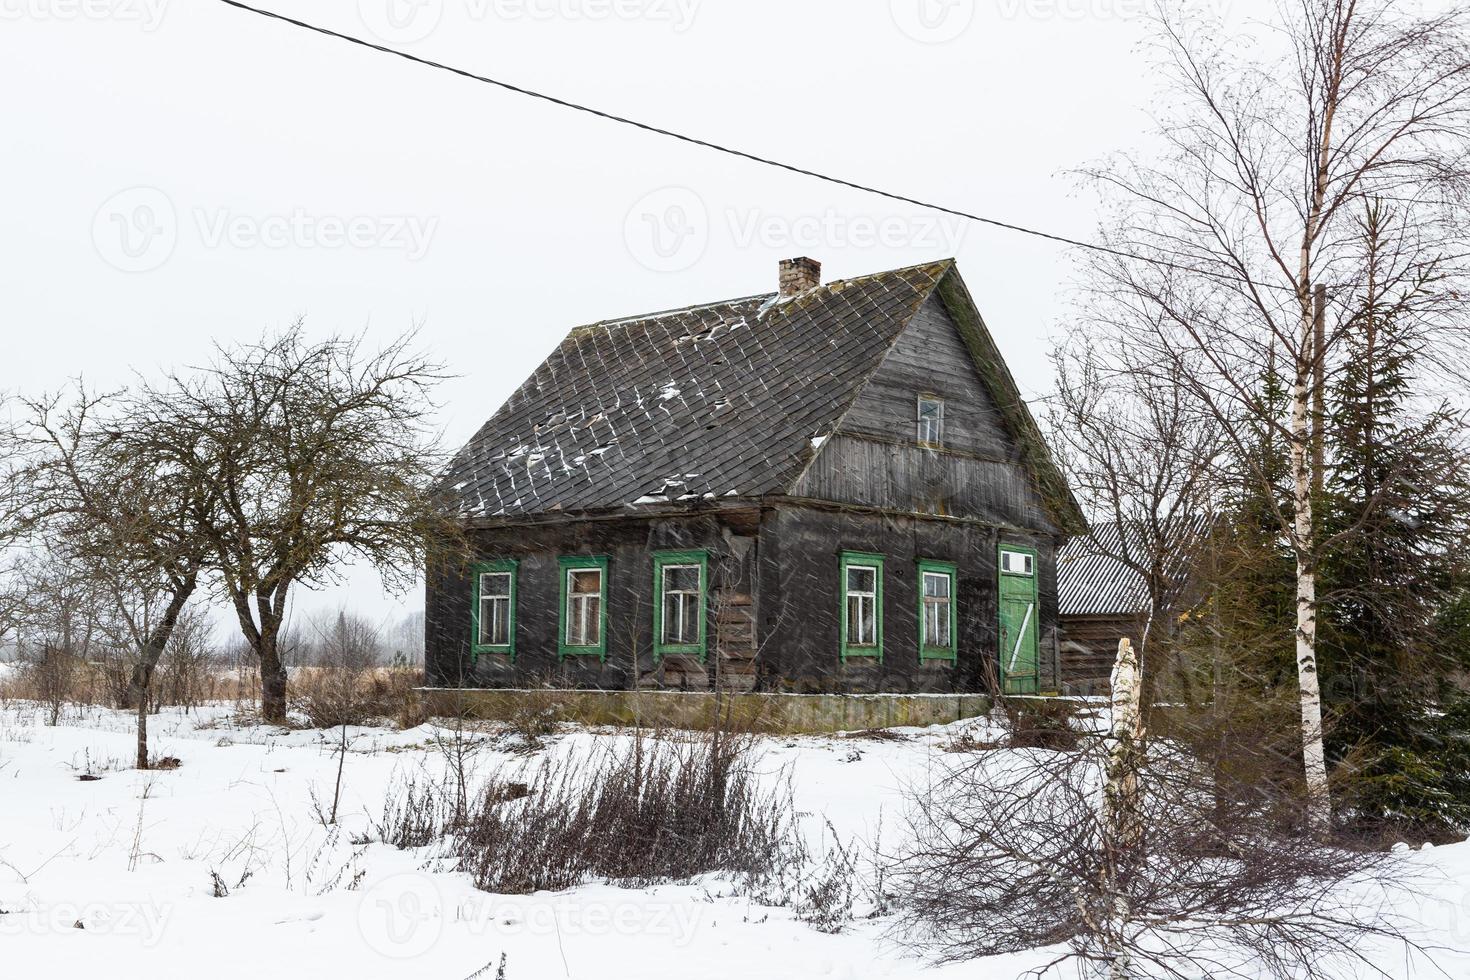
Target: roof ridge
{"x":659,"y":314}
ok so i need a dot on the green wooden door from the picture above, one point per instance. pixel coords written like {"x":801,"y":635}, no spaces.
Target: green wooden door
{"x":1019,"y":649}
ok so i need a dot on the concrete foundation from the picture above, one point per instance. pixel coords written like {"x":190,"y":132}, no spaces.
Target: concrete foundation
{"x":698,"y":710}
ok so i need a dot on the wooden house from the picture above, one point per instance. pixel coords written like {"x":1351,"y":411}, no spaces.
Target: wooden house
{"x":832,"y":487}
{"x":1102,"y":594}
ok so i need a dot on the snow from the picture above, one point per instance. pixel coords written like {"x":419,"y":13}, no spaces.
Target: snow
{"x":129,"y":856}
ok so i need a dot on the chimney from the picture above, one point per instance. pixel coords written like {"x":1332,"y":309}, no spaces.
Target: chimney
{"x":800,"y":274}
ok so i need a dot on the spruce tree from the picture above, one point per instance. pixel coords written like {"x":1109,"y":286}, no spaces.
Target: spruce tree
{"x":1396,"y":503}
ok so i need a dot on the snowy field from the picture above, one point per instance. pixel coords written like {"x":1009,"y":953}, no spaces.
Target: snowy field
{"x":114,"y":876}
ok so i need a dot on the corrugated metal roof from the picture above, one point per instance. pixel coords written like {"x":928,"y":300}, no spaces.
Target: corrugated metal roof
{"x":1094,"y":580}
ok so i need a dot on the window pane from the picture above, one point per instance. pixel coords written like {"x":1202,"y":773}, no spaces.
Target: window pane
{"x":586,"y":581}
{"x":494,"y":620}
{"x":1016,"y":562}
{"x":495,"y":584}
{"x":936,"y":584}
{"x":936,"y":622}
{"x":861,"y":579}
{"x":681,"y":578}
{"x":861,"y":628}
{"x":584,"y":622}
{"x":591,"y":620}
{"x":681,"y":618}
{"x":931,"y":420}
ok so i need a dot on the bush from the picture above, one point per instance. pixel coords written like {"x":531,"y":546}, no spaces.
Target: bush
{"x":332,"y":696}
{"x":1040,"y":723}
{"x":654,"y":811}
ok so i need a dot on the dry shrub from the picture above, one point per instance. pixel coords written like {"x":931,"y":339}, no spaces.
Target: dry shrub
{"x":654,"y":811}
{"x":332,"y":696}
{"x":1040,"y":722}
{"x":533,"y":720}
{"x":878,"y":735}
{"x":1006,"y":853}
{"x":415,"y":814}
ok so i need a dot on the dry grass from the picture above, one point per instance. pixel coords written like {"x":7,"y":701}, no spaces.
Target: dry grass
{"x":331,"y":696}
{"x":657,"y":810}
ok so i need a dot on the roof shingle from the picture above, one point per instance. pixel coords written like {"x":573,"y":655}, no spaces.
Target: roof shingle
{"x":710,"y":401}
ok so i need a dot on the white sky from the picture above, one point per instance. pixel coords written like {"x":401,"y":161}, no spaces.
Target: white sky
{"x":180,"y":173}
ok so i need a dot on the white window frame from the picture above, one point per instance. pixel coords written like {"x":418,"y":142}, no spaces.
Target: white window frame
{"x":575,"y":598}
{"x":501,"y":600}
{"x":929,"y":431}
{"x":866,"y":600}
{"x":1028,"y":563}
{"x":692,"y":599}
{"x":944,"y":603}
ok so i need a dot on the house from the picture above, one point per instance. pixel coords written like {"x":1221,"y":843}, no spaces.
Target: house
{"x":830,"y":488}
{"x":1102,"y":594}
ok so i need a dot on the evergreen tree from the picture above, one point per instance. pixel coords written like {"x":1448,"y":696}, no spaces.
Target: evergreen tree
{"x":1397,"y":506}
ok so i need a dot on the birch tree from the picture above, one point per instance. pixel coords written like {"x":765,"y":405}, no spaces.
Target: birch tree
{"x":1240,"y":242}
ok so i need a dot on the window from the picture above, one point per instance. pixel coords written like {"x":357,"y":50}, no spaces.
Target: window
{"x":862,"y":605}
{"x":493,"y":608}
{"x":936,"y":611}
{"x":680,"y":583}
{"x":583,"y":606}
{"x":931,"y":421}
{"x":1016,"y":562}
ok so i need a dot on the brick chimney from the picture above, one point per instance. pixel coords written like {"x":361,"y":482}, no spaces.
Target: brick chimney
{"x":800,"y":274}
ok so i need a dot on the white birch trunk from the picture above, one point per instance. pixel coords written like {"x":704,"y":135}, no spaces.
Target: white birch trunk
{"x":1314,"y":758}
{"x":1121,"y":821}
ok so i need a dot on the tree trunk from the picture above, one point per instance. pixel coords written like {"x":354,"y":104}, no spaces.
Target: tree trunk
{"x":1121,"y":822}
{"x":148,"y":656}
{"x":1313,"y":756}
{"x":142,"y":760}
{"x":272,"y":680}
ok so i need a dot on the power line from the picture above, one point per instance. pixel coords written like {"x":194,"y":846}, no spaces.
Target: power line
{"x":754,"y":158}
{"x":717,"y":147}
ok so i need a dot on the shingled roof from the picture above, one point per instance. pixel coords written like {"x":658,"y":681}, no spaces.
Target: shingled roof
{"x":731,"y":399}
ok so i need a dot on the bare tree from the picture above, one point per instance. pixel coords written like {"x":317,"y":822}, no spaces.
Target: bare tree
{"x":15,"y":473}
{"x":1239,"y":240}
{"x":60,"y":629}
{"x":1134,"y":859}
{"x":127,"y":517}
{"x":1143,"y":458}
{"x":317,"y":452}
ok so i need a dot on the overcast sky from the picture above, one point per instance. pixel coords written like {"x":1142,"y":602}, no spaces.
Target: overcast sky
{"x":176,"y":174}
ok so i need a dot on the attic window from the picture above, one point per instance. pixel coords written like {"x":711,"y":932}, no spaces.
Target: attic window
{"x":930,"y":421}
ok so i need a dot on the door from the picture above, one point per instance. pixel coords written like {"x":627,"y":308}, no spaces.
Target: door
{"x":1019,"y":648}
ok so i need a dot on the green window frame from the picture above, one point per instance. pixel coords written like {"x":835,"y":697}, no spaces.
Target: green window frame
{"x":928,"y":651}
{"x":848,"y":561}
{"x":662,"y":561}
{"x":507,"y":566}
{"x":566,"y":565}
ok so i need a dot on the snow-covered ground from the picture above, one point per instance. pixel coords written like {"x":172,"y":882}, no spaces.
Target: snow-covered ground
{"x":115,"y":876}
